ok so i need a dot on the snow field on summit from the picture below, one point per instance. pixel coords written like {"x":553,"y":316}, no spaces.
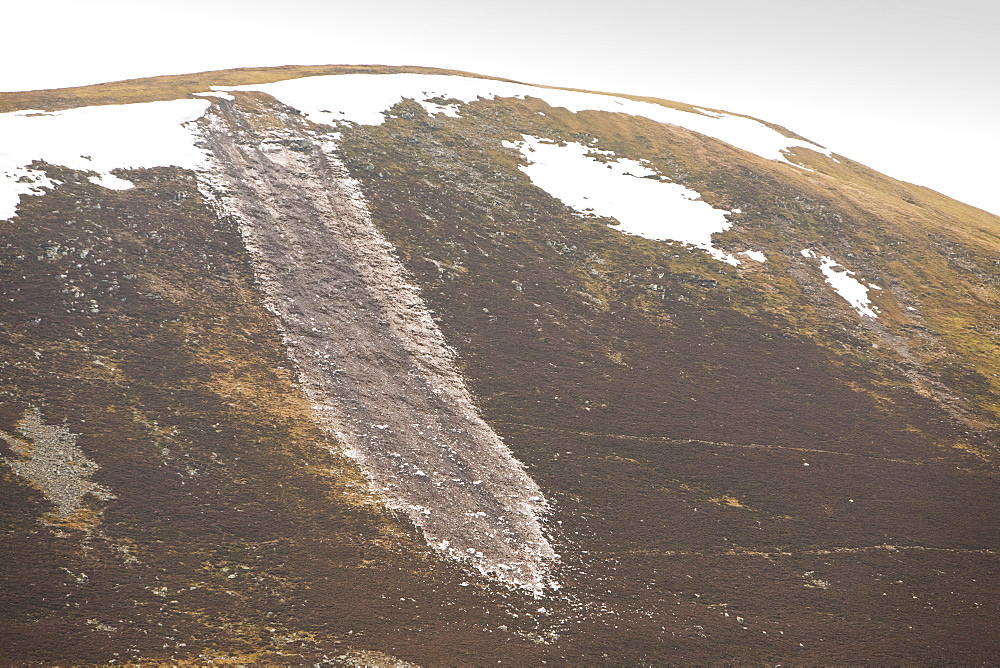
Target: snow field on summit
{"x":361,"y":98}
{"x":152,"y":134}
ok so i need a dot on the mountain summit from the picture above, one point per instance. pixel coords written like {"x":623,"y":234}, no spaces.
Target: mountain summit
{"x":379,"y":366}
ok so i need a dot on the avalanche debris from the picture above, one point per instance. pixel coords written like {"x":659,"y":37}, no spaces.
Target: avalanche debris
{"x":370,"y":357}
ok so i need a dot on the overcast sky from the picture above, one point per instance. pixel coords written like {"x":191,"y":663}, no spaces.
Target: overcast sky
{"x":908,"y":87}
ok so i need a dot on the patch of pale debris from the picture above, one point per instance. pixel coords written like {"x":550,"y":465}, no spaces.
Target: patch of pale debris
{"x":372,"y":658}
{"x":813,"y":582}
{"x":48,"y":457}
{"x":376,"y":368}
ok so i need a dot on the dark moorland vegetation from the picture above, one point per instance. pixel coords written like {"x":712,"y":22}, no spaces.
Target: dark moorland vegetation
{"x":740,"y":469}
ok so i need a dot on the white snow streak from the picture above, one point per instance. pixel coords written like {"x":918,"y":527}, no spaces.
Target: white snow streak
{"x":361,"y":98}
{"x":152,"y":134}
{"x":96,"y":139}
{"x":221,"y":96}
{"x":625,"y":190}
{"x":842,"y":280}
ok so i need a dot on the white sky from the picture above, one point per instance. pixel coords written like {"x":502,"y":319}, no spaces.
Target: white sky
{"x":909,"y":87}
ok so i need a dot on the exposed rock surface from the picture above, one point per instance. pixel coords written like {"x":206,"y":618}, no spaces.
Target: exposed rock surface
{"x":49,"y":458}
{"x":371,"y":358}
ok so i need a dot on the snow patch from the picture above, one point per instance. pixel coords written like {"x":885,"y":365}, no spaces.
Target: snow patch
{"x":843,"y":282}
{"x":433,"y":108}
{"x":218,"y":94}
{"x":19,"y":180}
{"x":97,"y":139}
{"x":362,"y":98}
{"x":111,"y":182}
{"x":625,"y":190}
{"x":755,"y":255}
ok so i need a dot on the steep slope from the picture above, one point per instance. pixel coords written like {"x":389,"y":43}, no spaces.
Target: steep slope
{"x":765,"y":421}
{"x":373,"y":362}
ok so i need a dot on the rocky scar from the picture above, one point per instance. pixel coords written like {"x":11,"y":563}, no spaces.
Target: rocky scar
{"x":370,"y":357}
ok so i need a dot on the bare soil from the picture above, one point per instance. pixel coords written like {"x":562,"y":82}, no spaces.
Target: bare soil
{"x":370,"y":356}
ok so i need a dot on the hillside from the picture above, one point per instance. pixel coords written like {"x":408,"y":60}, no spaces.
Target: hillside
{"x":374,"y":365}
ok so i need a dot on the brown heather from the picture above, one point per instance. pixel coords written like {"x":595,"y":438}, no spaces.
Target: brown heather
{"x":740,"y":470}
